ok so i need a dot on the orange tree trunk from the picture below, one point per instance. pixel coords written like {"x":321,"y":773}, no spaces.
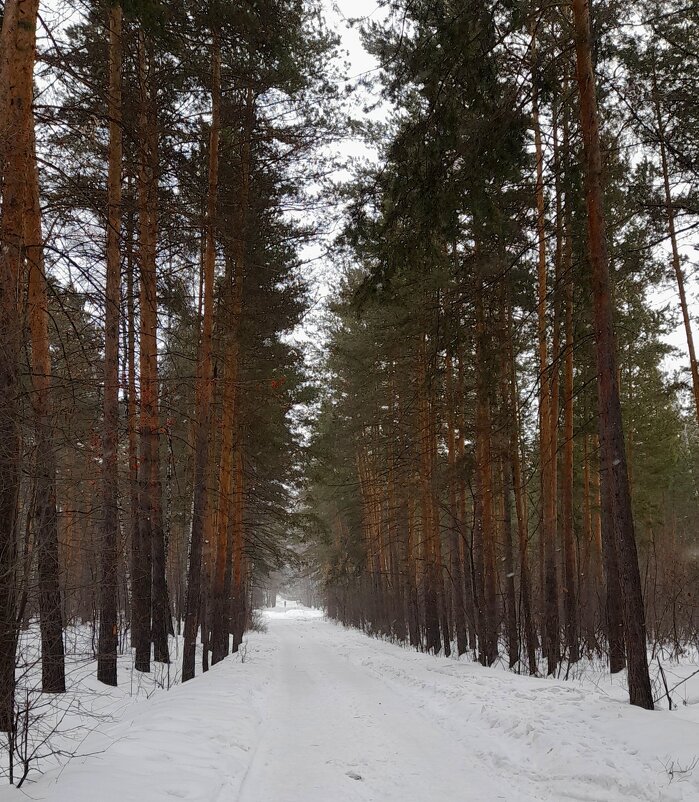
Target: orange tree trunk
{"x":209,"y":550}
{"x":410,"y":569}
{"x":232,"y":315}
{"x":588,"y":572}
{"x":17,"y":57}
{"x":204,"y":380}
{"x":610,"y":419}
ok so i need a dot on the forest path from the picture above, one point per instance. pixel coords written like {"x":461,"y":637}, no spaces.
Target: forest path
{"x":336,"y":731}
{"x":353,"y":718}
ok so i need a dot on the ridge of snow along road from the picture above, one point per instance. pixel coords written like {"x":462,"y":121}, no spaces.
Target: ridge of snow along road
{"x":313,"y":712}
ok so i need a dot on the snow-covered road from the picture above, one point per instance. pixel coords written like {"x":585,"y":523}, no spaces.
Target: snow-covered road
{"x":350,"y":718}
{"x":337,"y":731}
{"x":317,"y":713}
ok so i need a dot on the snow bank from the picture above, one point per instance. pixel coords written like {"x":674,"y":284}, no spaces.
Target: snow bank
{"x":190,"y":742}
{"x":312,"y":712}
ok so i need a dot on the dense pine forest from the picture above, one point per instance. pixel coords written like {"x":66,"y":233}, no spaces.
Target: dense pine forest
{"x":449,"y":389}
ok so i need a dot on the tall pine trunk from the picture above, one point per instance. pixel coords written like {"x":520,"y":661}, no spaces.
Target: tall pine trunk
{"x":238,"y":596}
{"x":570,"y":571}
{"x":518,"y":489}
{"x":131,"y":410}
{"x":397,"y":599}
{"x":430,"y":576}
{"x":143,"y":560}
{"x":232,"y":314}
{"x":465,"y":541}
{"x":547,"y":420}
{"x":204,"y":380}
{"x":610,"y":419}
{"x":156,"y":608}
{"x":107,"y":654}
{"x":455,"y":520}
{"x":53,"y":678}
{"x":17,"y":57}
{"x":484,"y":527}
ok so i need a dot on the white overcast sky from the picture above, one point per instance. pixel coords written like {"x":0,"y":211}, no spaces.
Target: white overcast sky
{"x":318,"y":267}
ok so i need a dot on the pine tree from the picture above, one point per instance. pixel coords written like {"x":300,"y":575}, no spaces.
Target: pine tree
{"x":17,"y":56}
{"x":611,"y":427}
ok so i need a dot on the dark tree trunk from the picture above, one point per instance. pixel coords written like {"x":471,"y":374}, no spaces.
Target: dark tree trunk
{"x":484,"y":536}
{"x":610,"y":419}
{"x":570,"y":570}
{"x":517,"y":485}
{"x":570,"y":594}
{"x":547,"y":415}
{"x":237,"y":608}
{"x":410,"y":579}
{"x":107,"y":650}
{"x":510,"y":596}
{"x":148,"y":427}
{"x":455,"y":522}
{"x":430,"y":576}
{"x":613,"y":598}
{"x":162,"y":618}
{"x":53,"y":678}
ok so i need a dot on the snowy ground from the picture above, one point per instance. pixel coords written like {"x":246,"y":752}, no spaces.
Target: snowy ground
{"x":317,"y":713}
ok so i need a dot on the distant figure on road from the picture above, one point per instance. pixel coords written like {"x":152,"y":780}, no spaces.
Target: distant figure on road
{"x":285,"y":604}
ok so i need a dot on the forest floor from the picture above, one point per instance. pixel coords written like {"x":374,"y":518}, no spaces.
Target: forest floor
{"x":312,"y":712}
